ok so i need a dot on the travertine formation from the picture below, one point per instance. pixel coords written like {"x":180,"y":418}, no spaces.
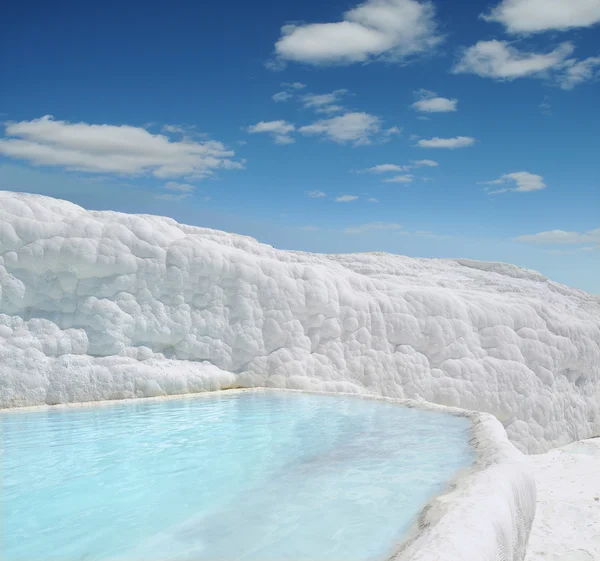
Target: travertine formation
{"x":103,"y":305}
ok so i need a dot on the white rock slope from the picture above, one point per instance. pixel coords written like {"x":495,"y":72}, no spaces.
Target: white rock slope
{"x":102,"y":305}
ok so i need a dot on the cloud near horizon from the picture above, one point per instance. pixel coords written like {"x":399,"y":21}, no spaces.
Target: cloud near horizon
{"x":562,"y":237}
{"x":113,"y":149}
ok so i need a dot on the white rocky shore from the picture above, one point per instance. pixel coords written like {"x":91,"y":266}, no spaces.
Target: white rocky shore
{"x":103,"y":305}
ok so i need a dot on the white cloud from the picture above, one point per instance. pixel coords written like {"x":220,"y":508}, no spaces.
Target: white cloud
{"x":450,"y":143}
{"x":293,"y":85}
{"x":345,"y":198}
{"x":117,"y":149}
{"x":399,"y":179}
{"x":284,"y":139}
{"x":524,"y":180}
{"x":560,"y":237}
{"x":372,"y":226}
{"x":372,"y":200}
{"x":324,"y":103}
{"x":356,"y":128}
{"x":181,"y":187}
{"x":315,"y":194}
{"x":281,"y":96}
{"x":173,"y":129}
{"x":376,"y":29}
{"x":172,"y":197}
{"x":280,"y":130}
{"x":385,"y":168}
{"x":534,"y":16}
{"x":577,"y":72}
{"x":425,"y":163}
{"x":392,"y":131}
{"x":502,"y":61}
{"x":430,"y":102}
{"x":187,"y":130}
{"x":435,"y":105}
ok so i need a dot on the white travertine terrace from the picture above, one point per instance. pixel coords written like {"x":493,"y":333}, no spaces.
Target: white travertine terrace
{"x":104,"y":305}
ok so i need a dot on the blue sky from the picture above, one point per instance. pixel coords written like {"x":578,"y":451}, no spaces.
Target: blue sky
{"x":274,"y":119}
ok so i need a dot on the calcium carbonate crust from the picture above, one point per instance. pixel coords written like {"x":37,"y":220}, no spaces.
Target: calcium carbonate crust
{"x":104,"y":305}
{"x":488,"y":511}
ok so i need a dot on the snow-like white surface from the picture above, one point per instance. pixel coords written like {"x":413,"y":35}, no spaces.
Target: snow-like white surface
{"x":567,"y":522}
{"x":488,"y":513}
{"x":102,"y":305}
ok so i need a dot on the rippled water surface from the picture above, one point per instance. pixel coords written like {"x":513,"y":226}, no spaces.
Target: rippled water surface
{"x":256,"y":476}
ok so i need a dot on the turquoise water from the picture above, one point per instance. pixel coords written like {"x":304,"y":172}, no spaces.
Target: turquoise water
{"x":257,"y":476}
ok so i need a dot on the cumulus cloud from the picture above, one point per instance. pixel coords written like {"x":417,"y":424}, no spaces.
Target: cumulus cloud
{"x":372,"y":226}
{"x":355,"y":128}
{"x":535,"y":16}
{"x":502,"y":61}
{"x":279,"y":130}
{"x":385,"y":168}
{"x":293,"y":85}
{"x":450,"y":143}
{"x":425,"y":163}
{"x":324,"y":103}
{"x":179,"y":192}
{"x":117,"y":149}
{"x":316,"y":194}
{"x":399,"y":179}
{"x":577,"y":72}
{"x":525,"y":182}
{"x":392,"y":131}
{"x":561,"y":237}
{"x":345,"y":198}
{"x":430,"y":102}
{"x":376,"y":29}
{"x":174,"y":129}
{"x":281,"y":96}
